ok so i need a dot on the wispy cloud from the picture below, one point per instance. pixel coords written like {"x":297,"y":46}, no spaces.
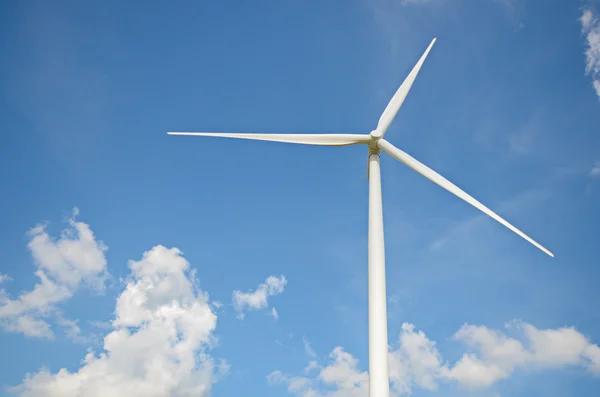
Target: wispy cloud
{"x":517,"y":137}
{"x":595,"y":171}
{"x":590,"y":27}
{"x":523,"y":140}
{"x":308,"y":348}
{"x":512,"y":11}
{"x":100,"y":324}
{"x":273,"y":313}
{"x":280,"y":343}
{"x":73,"y":331}
{"x":258,"y":299}
{"x":468,"y":226}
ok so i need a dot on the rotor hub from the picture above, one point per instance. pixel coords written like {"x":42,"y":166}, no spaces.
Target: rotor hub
{"x":375,"y":136}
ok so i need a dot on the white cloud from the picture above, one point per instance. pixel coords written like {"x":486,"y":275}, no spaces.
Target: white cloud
{"x":29,"y":326}
{"x":590,"y":26}
{"x":342,"y":376}
{"x":158,"y":344}
{"x":76,"y":258}
{"x":416,"y":361}
{"x":492,"y":356}
{"x":259,"y":298}
{"x":498,"y":356}
{"x":561,"y":347}
{"x":473,"y":373}
{"x":311,"y":366}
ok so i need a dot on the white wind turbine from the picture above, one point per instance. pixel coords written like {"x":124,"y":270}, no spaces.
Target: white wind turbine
{"x":378,"y":338}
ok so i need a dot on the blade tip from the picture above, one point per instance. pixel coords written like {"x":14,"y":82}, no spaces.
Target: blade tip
{"x":546,"y":251}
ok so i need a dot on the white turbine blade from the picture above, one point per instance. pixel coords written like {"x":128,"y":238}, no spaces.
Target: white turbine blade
{"x":305,"y":139}
{"x":433,"y":176}
{"x":396,"y":102}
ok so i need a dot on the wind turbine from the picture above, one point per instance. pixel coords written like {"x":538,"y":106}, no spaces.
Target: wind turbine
{"x":378,"y":338}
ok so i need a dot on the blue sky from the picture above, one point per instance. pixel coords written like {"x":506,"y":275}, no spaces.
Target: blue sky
{"x":136,"y":262}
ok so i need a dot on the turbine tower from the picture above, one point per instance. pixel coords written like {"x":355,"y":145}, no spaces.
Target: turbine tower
{"x":378,"y":338}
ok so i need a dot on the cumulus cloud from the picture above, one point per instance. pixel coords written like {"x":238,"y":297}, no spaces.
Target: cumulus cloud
{"x":416,"y":363}
{"x":159,"y":342}
{"x":65,"y":264}
{"x":341,"y":375}
{"x":590,"y":27}
{"x":498,"y":356}
{"x":259,"y":298}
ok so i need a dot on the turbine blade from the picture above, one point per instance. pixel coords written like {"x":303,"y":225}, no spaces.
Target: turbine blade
{"x":433,"y":176}
{"x":305,"y":139}
{"x":396,"y":102}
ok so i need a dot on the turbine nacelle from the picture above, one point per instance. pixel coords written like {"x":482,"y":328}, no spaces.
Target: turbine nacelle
{"x":375,"y":136}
